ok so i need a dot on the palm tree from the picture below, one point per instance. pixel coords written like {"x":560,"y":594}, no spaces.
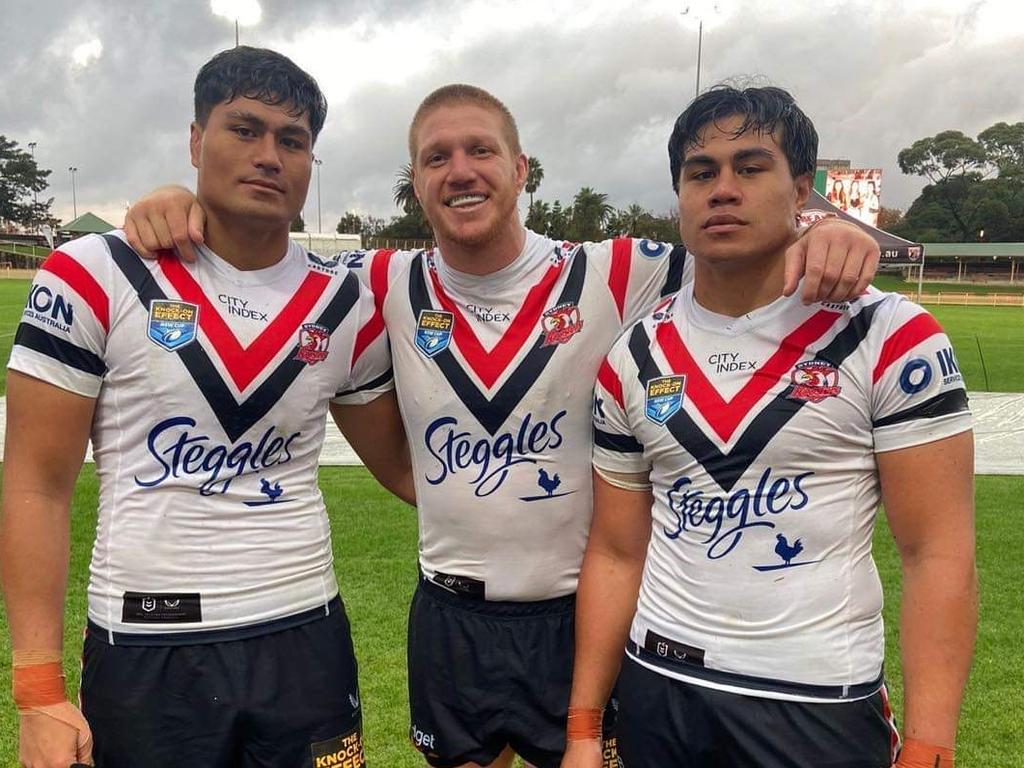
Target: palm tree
{"x":538,"y":217}
{"x":590,"y":210}
{"x":404,"y":192}
{"x":534,"y":176}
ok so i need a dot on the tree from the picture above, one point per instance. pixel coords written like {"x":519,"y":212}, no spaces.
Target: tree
{"x":889,"y":218}
{"x":298,"y":225}
{"x":953,"y":162}
{"x":20,"y":180}
{"x":408,"y":227}
{"x":558,"y":222}
{"x":404,"y":192}
{"x":350,"y":224}
{"x":537,"y":217}
{"x":534,"y":176}
{"x":590,"y":211}
{"x":1004,"y":147}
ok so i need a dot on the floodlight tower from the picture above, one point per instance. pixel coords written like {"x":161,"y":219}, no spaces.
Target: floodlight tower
{"x":244,"y":13}
{"x":74,"y":194}
{"x":319,"y":221}
{"x":701,"y":11}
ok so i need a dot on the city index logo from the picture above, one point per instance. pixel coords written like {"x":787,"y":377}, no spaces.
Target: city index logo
{"x":344,"y":751}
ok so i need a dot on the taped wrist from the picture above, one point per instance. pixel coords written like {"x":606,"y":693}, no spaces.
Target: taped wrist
{"x":37,"y":679}
{"x":919,"y":754}
{"x":584,"y":724}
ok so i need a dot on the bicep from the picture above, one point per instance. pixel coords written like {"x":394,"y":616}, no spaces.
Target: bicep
{"x":47,"y":433}
{"x":622,"y":517}
{"x":928,"y":494}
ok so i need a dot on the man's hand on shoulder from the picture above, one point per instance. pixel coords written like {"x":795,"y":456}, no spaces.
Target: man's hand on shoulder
{"x":168,"y":218}
{"x":837,"y":259}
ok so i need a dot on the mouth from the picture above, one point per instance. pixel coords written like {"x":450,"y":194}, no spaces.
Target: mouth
{"x":264,"y":184}
{"x":723,"y":222}
{"x":465,"y":200}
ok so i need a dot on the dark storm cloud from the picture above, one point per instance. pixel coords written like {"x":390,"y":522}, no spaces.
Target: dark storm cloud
{"x":595,"y":104}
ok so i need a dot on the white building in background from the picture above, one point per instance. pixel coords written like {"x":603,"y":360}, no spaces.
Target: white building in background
{"x":327,"y":243}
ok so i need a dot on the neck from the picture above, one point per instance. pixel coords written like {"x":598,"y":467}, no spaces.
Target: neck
{"x":485,"y":258}
{"x":246,"y":244}
{"x":734,"y":288}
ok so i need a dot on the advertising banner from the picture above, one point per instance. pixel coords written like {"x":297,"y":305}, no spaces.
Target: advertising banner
{"x":855,"y":191}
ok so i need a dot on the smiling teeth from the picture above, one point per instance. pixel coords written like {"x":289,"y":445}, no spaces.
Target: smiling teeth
{"x":461,"y":200}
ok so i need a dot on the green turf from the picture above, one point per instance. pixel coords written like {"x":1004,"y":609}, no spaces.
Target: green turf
{"x":375,"y":553}
{"x":892,"y":282}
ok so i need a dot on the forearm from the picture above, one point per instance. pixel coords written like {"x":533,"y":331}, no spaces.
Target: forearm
{"x":938,"y":621}
{"x":605,"y":604}
{"x":34,"y":547}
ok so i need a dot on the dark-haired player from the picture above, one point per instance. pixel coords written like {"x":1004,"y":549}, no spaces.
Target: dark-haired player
{"x":730,"y":551}
{"x":216,"y":635}
{"x":497,"y":335}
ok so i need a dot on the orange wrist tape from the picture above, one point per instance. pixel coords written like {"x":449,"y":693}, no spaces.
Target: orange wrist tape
{"x":584,"y":724}
{"x":918,"y":754}
{"x":38,"y":685}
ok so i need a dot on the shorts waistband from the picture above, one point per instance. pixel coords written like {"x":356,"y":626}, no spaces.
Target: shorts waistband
{"x":498,"y":608}
{"x":225,"y":635}
{"x":752,"y":683}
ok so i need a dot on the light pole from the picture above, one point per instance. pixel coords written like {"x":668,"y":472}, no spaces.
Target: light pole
{"x":319,"y":221}
{"x":700,"y":11}
{"x":32,"y":149}
{"x":74,"y":193}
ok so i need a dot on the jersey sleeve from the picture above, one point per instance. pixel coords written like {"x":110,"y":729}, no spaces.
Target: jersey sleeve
{"x":918,"y":394}
{"x":639,"y":272}
{"x":616,"y":448}
{"x":61,"y":338}
{"x":371,"y":374}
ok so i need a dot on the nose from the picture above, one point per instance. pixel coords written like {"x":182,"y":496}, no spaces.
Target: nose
{"x":726,"y":189}
{"x":460,"y":168}
{"x":267,"y":155}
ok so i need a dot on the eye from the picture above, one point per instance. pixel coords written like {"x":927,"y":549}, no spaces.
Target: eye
{"x":749,"y":170}
{"x":481,"y":151}
{"x":435,"y":159}
{"x":293,"y":143}
{"x":244,"y":131}
{"x":704,"y":175}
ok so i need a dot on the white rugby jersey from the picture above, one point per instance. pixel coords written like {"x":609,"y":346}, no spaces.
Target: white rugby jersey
{"x":495,"y":379}
{"x":760,"y":434}
{"x":211,"y":388}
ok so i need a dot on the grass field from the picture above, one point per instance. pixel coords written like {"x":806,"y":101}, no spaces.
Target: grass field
{"x":892,"y":282}
{"x":375,"y":549}
{"x":375,"y":553}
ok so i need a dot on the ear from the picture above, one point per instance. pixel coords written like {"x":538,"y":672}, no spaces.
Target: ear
{"x":195,"y":143}
{"x":522,"y":169}
{"x":803,"y":185}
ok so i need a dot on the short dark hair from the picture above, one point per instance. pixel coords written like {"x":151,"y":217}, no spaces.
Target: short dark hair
{"x":766,"y":109}
{"x":460,"y":93}
{"x":262,"y":74}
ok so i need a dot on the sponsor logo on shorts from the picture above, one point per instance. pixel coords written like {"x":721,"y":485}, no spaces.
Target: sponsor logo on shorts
{"x":313,"y":342}
{"x":345,"y":751}
{"x":434,"y":331}
{"x":172,"y":324}
{"x":422,"y":740}
{"x":814,"y":381}
{"x":664,"y":398}
{"x":560,"y":324}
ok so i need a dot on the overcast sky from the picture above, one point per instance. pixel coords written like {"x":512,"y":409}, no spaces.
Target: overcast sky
{"x":106,"y":85}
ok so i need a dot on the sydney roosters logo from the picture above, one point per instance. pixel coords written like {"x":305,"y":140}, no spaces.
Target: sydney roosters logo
{"x":561,"y":323}
{"x":313,"y":342}
{"x":814,"y":380}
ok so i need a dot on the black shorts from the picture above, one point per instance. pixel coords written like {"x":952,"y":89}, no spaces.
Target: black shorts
{"x":484,"y":675}
{"x":667,"y":722}
{"x":283,"y":700}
